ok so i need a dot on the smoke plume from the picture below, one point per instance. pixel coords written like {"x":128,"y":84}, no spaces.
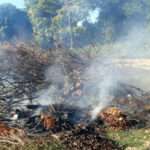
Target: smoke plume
{"x":102,"y":75}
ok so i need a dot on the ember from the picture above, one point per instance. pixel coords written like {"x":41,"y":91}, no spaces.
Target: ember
{"x":48,"y":122}
{"x":114,"y":118}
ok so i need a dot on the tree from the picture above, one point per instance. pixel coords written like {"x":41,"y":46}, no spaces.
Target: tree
{"x":65,"y":22}
{"x":14,"y":24}
{"x":76,"y":23}
{"x":41,"y":14}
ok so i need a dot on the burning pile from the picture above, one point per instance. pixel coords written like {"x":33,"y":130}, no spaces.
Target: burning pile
{"x":70,"y":126}
{"x":65,"y":118}
{"x":115,"y":118}
{"x":56,"y":118}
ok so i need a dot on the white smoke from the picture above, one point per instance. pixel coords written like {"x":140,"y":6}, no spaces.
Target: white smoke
{"x":103,"y":74}
{"x":80,"y":23}
{"x":105,"y":77}
{"x":55,"y":74}
{"x":101,"y":77}
{"x":47,"y":96}
{"x":93,"y":15}
{"x":55,"y":77}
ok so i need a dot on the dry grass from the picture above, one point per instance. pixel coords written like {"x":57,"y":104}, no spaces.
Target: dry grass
{"x":36,"y":144}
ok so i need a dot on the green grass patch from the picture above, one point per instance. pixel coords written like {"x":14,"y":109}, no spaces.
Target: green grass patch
{"x":135,"y":139}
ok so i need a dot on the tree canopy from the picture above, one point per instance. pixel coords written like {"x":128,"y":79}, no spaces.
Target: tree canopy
{"x":75,"y":23}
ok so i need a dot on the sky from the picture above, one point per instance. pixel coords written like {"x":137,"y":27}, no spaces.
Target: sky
{"x":17,"y":3}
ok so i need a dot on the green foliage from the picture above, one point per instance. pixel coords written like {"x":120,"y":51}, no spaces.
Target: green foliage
{"x":41,"y":13}
{"x":68,"y":23}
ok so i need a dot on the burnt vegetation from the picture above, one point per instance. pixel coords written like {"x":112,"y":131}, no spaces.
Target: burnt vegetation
{"x":22,"y":70}
{"x":22,"y":76}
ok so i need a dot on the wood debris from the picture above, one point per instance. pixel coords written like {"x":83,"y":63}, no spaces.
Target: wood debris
{"x":48,"y":121}
{"x":11,"y":135}
{"x":87,"y":139}
{"x":115,"y":118}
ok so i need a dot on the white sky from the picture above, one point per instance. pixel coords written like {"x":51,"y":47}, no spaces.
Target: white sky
{"x":17,"y":3}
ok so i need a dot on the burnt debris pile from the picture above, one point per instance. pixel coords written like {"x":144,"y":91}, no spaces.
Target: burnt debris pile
{"x":114,"y":118}
{"x":83,"y":137}
{"x":55,"y":118}
{"x":49,"y":92}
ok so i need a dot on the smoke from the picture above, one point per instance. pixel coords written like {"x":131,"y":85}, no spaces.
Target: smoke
{"x":92,"y":17}
{"x":102,"y":75}
{"x":134,"y":45}
{"x":99,"y":80}
{"x":47,"y":96}
{"x":130,"y":52}
{"x":55,"y":76}
{"x":105,"y":77}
